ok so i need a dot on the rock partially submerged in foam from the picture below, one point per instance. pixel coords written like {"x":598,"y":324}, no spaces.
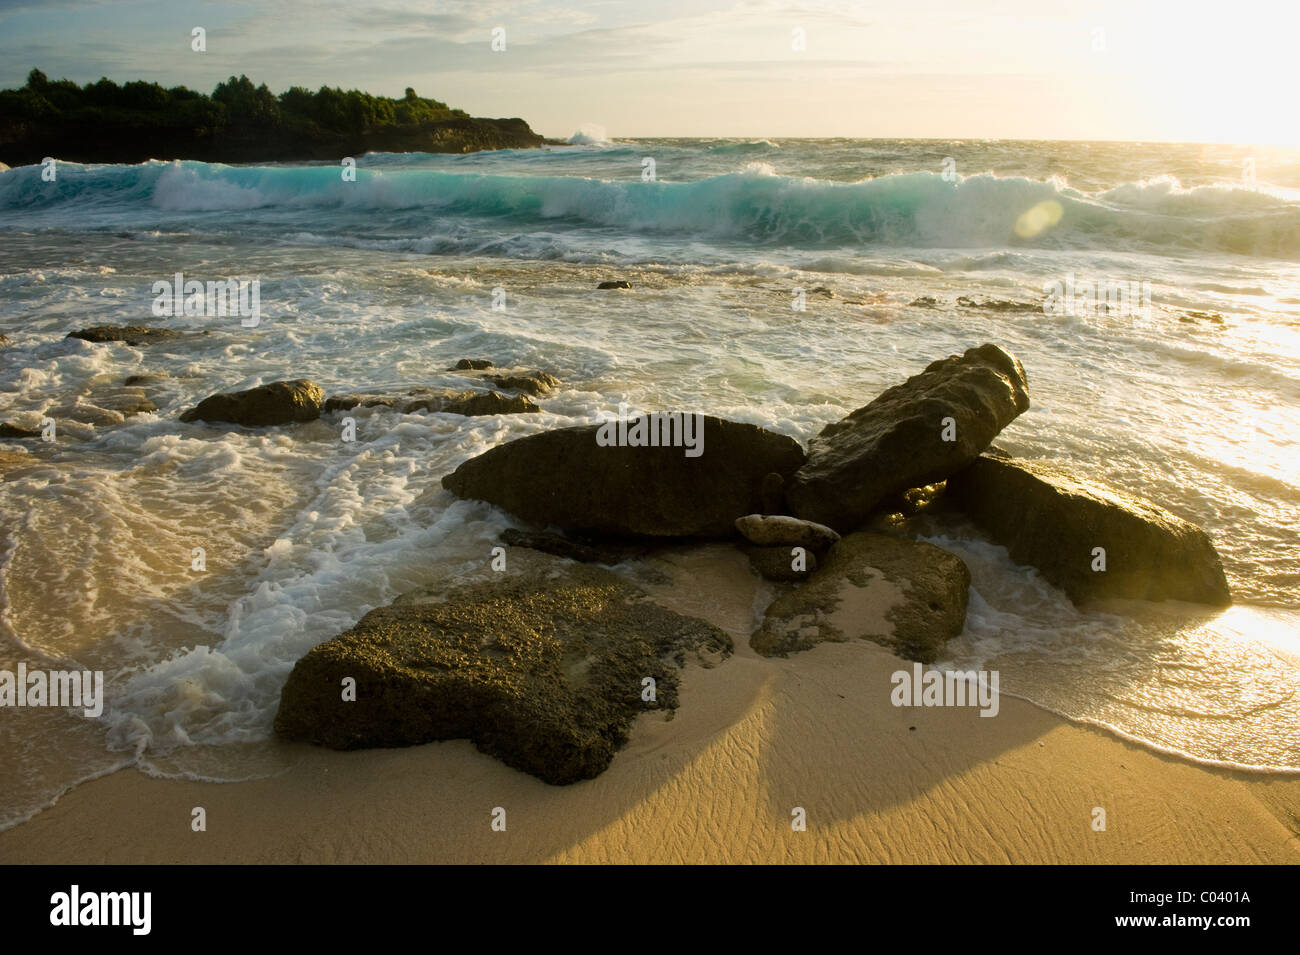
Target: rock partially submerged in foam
{"x":535,"y":383}
{"x":468,"y":403}
{"x":134,"y":335}
{"x":543,"y":668}
{"x":907,"y":595}
{"x":280,"y":402}
{"x":568,"y":479}
{"x":146,"y":378}
{"x":1056,"y":522}
{"x":913,"y":434}
{"x":8,"y":429}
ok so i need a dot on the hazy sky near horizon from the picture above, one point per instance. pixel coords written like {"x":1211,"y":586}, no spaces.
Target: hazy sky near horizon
{"x":1189,"y":70}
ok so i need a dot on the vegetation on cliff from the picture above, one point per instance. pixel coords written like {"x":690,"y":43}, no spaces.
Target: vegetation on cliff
{"x":239,"y":122}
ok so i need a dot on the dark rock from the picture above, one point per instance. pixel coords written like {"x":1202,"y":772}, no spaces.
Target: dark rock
{"x":1000,"y":305}
{"x":778,"y":563}
{"x":1053,"y":521}
{"x":5,"y":341}
{"x":615,"y":284}
{"x":775,"y":530}
{"x":897,"y":441}
{"x":542,"y":669}
{"x":907,"y":595}
{"x":471,"y":404}
{"x":467,"y":403}
{"x":133,"y":335}
{"x":350,"y":400}
{"x":536,"y":383}
{"x":570,"y":549}
{"x":8,"y":430}
{"x":925,"y":301}
{"x":773,"y":494}
{"x":146,"y":379}
{"x":277,"y":403}
{"x":566,"y":479}
{"x":472,"y":364}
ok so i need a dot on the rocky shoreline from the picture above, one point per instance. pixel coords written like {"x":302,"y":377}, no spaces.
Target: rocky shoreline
{"x":544,"y":658}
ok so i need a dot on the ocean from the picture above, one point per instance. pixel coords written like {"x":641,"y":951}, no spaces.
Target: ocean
{"x":1152,"y":293}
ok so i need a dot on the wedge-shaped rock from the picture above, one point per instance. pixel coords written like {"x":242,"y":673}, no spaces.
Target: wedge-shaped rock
{"x":904,"y":439}
{"x":567,"y":479}
{"x":1050,"y":520}
{"x":907,"y":595}
{"x":544,"y":669}
{"x":277,"y":403}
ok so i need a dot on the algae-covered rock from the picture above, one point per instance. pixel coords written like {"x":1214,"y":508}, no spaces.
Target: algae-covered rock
{"x":544,"y":668}
{"x":907,"y":595}
{"x":277,"y":403}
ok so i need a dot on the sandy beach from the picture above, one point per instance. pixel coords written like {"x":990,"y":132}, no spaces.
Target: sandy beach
{"x":753,"y":739}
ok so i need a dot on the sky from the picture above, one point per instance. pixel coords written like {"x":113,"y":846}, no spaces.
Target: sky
{"x":1159,"y":70}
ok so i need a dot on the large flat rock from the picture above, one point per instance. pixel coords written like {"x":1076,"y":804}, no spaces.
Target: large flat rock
{"x":566,"y":479}
{"x":543,"y":668}
{"x":907,"y":595}
{"x":900,"y":440}
{"x":1051,"y":520}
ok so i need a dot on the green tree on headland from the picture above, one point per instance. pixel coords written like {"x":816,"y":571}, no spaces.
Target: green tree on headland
{"x":240,"y":121}
{"x":235,"y":103}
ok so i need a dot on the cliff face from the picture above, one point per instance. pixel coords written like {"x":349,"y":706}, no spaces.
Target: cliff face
{"x":23,"y":143}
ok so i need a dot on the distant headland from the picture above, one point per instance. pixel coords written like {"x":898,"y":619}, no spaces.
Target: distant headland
{"x":107,"y":123}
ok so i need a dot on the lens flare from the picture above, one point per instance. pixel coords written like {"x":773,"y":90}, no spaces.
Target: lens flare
{"x":1042,"y":216}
